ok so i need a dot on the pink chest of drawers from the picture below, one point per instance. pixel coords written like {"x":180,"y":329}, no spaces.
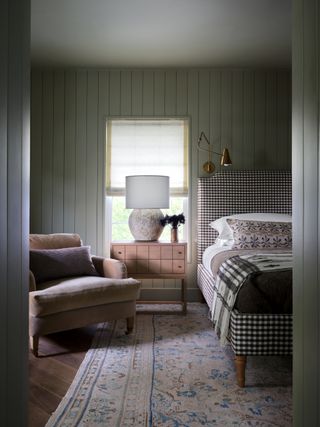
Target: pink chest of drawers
{"x":154,"y":260}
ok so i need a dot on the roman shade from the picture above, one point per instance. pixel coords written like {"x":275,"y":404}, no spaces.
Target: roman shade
{"x":147,"y":147}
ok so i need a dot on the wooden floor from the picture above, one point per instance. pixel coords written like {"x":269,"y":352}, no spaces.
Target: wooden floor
{"x":51,"y":374}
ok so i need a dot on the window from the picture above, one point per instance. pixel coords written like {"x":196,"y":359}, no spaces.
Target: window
{"x":145,"y":147}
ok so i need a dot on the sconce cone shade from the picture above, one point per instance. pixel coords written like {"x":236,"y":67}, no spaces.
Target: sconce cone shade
{"x":225,"y":158}
{"x":146,"y":194}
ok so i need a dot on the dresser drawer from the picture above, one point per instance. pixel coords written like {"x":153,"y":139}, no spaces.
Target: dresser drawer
{"x":131,"y":266}
{"x":166,"y":266}
{"x":118,"y":252}
{"x":130,"y":252}
{"x":142,"y":266}
{"x":151,"y":259}
{"x":154,"y":252}
{"x":143,"y":252}
{"x":178,"y":252}
{"x":154,"y":266}
{"x":178,"y":266}
{"x":166,"y":252}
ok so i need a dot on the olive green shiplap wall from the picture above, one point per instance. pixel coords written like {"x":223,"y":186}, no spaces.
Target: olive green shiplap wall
{"x":249,"y":111}
{"x":14,"y":209}
{"x":306,"y":211}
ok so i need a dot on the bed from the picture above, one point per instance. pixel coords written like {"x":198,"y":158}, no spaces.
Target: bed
{"x":239,"y":192}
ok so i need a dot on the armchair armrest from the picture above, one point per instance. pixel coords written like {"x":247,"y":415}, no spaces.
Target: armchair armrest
{"x":32,"y":282}
{"x":108,"y":267}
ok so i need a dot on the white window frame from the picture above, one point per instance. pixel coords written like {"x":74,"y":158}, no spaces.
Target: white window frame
{"x":187,"y":231}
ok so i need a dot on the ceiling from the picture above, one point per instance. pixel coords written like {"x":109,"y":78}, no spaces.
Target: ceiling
{"x":161,"y":33}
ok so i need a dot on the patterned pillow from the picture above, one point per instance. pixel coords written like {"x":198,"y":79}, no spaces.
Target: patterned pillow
{"x":260,"y":234}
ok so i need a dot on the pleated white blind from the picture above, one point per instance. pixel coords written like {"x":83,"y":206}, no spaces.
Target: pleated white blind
{"x":147,"y":147}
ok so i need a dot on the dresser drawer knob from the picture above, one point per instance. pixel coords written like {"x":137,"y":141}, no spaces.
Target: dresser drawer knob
{"x":119,"y":252}
{"x":180,"y":252}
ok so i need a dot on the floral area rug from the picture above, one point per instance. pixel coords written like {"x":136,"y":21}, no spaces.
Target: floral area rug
{"x":172,"y":372}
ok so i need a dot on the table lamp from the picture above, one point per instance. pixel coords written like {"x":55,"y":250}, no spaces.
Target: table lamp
{"x":146,"y":194}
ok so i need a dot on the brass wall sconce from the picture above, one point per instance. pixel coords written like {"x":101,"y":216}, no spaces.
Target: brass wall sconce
{"x":209,"y":166}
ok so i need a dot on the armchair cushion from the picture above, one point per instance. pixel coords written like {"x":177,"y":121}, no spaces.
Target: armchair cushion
{"x":79,"y":292}
{"x":50,"y":264}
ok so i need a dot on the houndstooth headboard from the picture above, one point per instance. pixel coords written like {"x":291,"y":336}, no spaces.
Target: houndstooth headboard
{"x":227,"y":193}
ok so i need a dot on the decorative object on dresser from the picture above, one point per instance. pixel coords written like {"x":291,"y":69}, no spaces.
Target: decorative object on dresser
{"x":175,"y":221}
{"x":209,"y":166}
{"x":70,"y":288}
{"x":251,"y":333}
{"x":154,"y":260}
{"x":146,"y":194}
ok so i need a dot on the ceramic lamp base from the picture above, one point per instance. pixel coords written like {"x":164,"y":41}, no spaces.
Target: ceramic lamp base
{"x":145,"y":224}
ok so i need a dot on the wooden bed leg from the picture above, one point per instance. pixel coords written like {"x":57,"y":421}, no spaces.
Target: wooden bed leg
{"x":241,"y":370}
{"x":130,"y":324}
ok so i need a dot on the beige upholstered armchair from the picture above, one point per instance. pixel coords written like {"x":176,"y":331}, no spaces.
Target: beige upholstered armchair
{"x":69,"y":288}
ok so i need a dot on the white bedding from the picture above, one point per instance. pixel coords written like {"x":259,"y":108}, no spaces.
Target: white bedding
{"x":213,"y":250}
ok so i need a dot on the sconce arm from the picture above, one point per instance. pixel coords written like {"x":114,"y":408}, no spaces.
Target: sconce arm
{"x":202,"y":135}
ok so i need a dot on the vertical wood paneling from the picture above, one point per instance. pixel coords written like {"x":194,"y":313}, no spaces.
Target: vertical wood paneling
{"x":283,"y":110}
{"x":259,"y":120}
{"x":4,"y":200}
{"x":115,"y":93}
{"x":103,"y":112}
{"x":47,"y":152}
{"x":182,"y":93}
{"x":311,"y":219}
{"x":81,"y":155}
{"x":148,"y":93}
{"x":237,"y":120}
{"x":14,"y":208}
{"x":36,"y":154}
{"x":271,"y":121}
{"x":204,"y":113}
{"x":58,"y":152}
{"x":92,"y":160}
{"x":215,"y":111}
{"x":125,"y":97}
{"x":248,"y":120}
{"x":69,"y":153}
{"x":226,"y":111}
{"x":193,"y":111}
{"x":170,"y":93}
{"x":306,"y":218}
{"x":137,"y":92}
{"x":159,"y":92}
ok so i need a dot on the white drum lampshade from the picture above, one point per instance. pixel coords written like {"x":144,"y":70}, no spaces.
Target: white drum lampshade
{"x":146,"y":194}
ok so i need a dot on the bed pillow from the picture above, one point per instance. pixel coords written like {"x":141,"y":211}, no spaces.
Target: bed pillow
{"x":50,"y":264}
{"x":225,"y":231}
{"x":260,"y":234}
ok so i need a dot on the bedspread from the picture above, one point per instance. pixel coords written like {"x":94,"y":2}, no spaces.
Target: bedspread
{"x":232,"y":274}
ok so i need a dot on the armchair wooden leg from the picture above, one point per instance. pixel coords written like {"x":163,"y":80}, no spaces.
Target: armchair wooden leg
{"x":34,"y":344}
{"x":130,"y":324}
{"x":241,"y":370}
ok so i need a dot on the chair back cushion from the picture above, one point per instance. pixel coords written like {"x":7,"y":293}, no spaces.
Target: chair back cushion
{"x":54,"y":241}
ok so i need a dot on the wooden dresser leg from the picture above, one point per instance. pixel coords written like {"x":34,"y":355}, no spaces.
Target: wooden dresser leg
{"x":130,"y":324}
{"x":241,"y":370}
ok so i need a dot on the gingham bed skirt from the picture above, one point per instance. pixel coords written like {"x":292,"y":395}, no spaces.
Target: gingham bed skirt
{"x":252,"y":334}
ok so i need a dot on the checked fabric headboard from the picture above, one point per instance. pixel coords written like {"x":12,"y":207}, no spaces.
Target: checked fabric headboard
{"x":227,"y":193}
